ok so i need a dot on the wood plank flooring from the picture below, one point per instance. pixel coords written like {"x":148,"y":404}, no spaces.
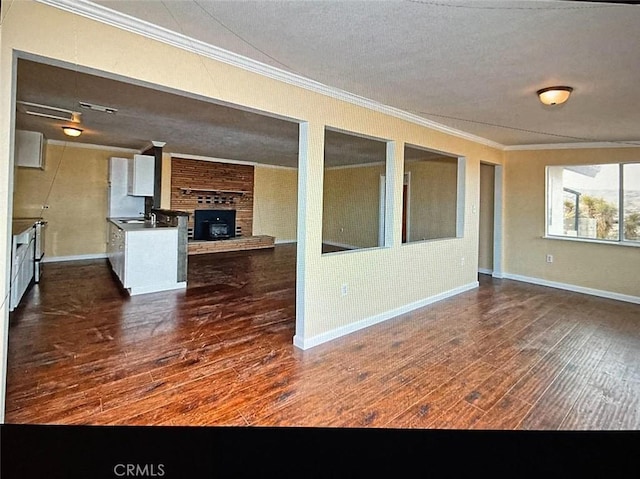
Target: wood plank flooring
{"x":505,"y":356}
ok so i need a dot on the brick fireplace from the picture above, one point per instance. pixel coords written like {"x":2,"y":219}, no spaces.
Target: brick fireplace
{"x":204,"y":186}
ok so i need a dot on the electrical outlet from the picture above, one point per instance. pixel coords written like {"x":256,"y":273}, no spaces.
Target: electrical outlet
{"x":549,"y":258}
{"x":344,"y":289}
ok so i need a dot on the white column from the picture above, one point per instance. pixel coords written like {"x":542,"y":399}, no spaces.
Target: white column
{"x":309,"y":235}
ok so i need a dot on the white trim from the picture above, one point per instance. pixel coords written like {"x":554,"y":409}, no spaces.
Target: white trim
{"x":497,"y":220}
{"x":382,"y":209}
{"x":80,"y":257}
{"x":275,"y":167}
{"x":573,"y":146}
{"x":578,"y":239}
{"x":359,"y":165}
{"x":406,"y":180}
{"x":485,"y":271}
{"x":461,"y":188}
{"x":390,"y":205}
{"x":138,"y":26}
{"x":575,"y":288}
{"x":378,"y":318}
{"x":350,"y":247}
{"x":181,"y":156}
{"x":89,"y":146}
{"x":283,"y":241}
{"x":156,"y":288}
{"x":185,"y":156}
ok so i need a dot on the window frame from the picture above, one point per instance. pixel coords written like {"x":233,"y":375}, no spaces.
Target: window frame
{"x":620,"y":241}
{"x":461,"y":182}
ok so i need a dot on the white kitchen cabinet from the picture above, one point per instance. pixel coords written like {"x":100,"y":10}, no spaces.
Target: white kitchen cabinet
{"x":141,"y":175}
{"x":145,"y":259}
{"x":22,"y":265}
{"x":30,"y":149}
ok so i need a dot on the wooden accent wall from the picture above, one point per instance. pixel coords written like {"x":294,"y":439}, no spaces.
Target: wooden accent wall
{"x":215,"y":186}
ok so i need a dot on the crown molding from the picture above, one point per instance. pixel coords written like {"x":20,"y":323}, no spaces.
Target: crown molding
{"x":110,"y":17}
{"x":186,"y":156}
{"x":91,"y":146}
{"x":573,"y":146}
{"x":356,"y":165}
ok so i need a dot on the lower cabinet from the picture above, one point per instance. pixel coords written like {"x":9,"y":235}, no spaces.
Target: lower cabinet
{"x":22,"y":264}
{"x":146,"y":259}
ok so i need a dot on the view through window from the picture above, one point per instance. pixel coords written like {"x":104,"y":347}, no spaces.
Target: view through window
{"x":594,"y":201}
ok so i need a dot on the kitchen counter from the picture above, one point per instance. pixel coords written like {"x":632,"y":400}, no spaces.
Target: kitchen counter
{"x":144,"y":256}
{"x":138,"y":224}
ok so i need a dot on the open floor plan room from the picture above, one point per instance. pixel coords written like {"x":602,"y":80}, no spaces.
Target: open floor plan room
{"x":507,"y":355}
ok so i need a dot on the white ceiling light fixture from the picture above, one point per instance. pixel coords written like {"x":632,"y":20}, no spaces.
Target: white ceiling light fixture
{"x":73,"y":130}
{"x":554,"y":95}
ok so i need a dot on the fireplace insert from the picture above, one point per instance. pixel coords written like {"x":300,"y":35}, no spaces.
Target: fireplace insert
{"x":210,"y":225}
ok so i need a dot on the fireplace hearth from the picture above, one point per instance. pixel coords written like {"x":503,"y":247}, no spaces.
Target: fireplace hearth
{"x":212,"y":225}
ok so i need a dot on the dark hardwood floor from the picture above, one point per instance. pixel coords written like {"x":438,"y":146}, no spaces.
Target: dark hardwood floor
{"x":507,"y":355}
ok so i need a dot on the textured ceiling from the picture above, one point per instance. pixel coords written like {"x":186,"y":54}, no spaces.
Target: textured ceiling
{"x":469,"y":65}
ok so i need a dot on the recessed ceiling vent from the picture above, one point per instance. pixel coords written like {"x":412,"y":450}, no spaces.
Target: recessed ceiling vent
{"x":94,"y":107}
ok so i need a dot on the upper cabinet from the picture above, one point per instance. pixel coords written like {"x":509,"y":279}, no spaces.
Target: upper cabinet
{"x":30,"y":148}
{"x":141,"y":175}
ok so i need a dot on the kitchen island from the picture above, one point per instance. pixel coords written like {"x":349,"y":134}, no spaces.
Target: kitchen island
{"x":144,"y":255}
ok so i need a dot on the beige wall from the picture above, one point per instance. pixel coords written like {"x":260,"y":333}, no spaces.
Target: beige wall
{"x":74,"y":186}
{"x":351,"y":205}
{"x":382,"y":281}
{"x":275,"y":197}
{"x":434,"y":189}
{"x":487,"y":192}
{"x":605,"y":267}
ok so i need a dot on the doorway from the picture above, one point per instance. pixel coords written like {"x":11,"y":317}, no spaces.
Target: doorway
{"x":490,"y":220}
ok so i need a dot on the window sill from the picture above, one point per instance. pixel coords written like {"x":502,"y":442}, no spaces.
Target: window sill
{"x":632,"y":244}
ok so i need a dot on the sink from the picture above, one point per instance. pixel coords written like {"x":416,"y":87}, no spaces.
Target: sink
{"x":134,"y":221}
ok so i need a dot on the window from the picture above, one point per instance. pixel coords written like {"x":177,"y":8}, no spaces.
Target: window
{"x":433,"y":195}
{"x":351,"y":196}
{"x":599,"y":202}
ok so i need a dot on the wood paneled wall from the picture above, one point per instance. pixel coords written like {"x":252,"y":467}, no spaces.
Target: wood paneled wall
{"x":215,"y":186}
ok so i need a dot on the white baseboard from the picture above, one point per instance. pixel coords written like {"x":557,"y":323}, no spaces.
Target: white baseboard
{"x":485,"y":271}
{"x":572,"y":287}
{"x":81,"y":257}
{"x":282,"y":241}
{"x":365,"y":323}
{"x":156,"y":288}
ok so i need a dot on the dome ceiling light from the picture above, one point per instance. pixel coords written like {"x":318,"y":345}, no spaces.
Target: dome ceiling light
{"x":554,"y":95}
{"x":73,"y":130}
